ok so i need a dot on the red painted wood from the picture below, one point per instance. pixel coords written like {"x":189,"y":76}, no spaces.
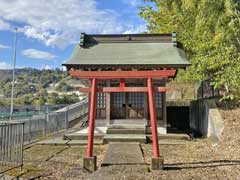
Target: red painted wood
{"x":123,"y":89}
{"x":152,"y":111}
{"x":92,"y":114}
{"x":122,"y":83}
{"x":123,"y":74}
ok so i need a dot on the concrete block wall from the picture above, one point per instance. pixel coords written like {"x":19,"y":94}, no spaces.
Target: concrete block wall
{"x":205,"y":118}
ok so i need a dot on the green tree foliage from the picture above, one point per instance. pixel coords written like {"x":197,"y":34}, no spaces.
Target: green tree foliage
{"x":210,"y":34}
{"x":63,"y":87}
{"x":68,"y":99}
{"x":52,"y":98}
{"x":28,"y":81}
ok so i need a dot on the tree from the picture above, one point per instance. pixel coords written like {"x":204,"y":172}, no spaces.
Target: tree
{"x":63,"y":87}
{"x":39,"y":101}
{"x":209,"y":32}
{"x":52,"y":98}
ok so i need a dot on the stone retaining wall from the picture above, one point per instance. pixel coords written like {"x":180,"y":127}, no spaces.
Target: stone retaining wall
{"x":205,"y":118}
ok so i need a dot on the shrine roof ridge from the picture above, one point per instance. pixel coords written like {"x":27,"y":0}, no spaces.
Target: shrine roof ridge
{"x":126,"y":38}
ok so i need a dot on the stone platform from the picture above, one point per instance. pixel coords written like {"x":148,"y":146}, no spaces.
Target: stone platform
{"x":115,"y":133}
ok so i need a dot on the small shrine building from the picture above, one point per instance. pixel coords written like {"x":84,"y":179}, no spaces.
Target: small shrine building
{"x":128,"y":74}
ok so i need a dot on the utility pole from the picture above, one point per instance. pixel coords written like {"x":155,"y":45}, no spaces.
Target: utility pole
{"x":13,"y":73}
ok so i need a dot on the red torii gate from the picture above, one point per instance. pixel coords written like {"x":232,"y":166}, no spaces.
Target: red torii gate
{"x":122,"y":75}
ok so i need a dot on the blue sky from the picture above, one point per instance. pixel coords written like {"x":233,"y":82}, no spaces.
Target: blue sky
{"x":48,"y":31}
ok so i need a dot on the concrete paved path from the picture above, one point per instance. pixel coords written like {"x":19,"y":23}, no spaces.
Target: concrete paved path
{"x":122,"y":161}
{"x":123,"y":154}
{"x":121,"y":172}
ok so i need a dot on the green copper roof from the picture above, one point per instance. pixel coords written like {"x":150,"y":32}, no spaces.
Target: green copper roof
{"x":128,"y":53}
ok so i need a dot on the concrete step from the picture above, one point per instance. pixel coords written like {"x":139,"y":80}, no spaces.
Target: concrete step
{"x":125,"y":131}
{"x":141,"y":138}
{"x":78,"y":136}
{"x":127,"y":126}
{"x":181,"y":137}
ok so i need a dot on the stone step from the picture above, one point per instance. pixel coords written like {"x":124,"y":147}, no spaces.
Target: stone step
{"x":161,"y":130}
{"x":183,"y":137}
{"x":141,"y":138}
{"x":125,"y":131}
{"x":127,"y":126}
{"x":78,"y":136}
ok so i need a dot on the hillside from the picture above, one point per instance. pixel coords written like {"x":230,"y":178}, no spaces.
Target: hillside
{"x":38,"y":87}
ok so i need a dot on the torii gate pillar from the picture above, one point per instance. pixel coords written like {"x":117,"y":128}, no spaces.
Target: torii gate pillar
{"x":90,"y":162}
{"x":157,"y":160}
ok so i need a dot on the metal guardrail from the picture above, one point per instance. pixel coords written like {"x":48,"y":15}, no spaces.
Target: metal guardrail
{"x":11,"y":145}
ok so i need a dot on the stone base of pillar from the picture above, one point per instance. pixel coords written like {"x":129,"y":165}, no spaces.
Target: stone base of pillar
{"x":90,"y":163}
{"x":157,"y":163}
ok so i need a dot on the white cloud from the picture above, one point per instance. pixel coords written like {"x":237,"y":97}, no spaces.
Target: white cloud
{"x":63,"y":68}
{"x":36,"y":54}
{"x":4,"y":65}
{"x":4,"y":25}
{"x":133,"y":3}
{"x":47,"y":67}
{"x":136,"y":29}
{"x":58,"y":22}
{"x":2,"y":46}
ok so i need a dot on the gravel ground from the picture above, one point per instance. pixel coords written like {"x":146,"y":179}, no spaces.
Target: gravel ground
{"x":56,"y":162}
{"x":199,"y":159}
{"x":204,"y":158}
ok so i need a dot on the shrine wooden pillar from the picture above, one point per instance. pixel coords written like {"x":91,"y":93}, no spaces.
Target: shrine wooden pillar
{"x":108,"y":105}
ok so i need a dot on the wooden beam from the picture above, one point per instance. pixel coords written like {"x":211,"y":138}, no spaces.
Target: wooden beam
{"x":123,"y":89}
{"x":123,"y":74}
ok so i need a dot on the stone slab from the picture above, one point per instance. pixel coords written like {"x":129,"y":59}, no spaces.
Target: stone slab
{"x":97,"y":130}
{"x":58,"y":141}
{"x":123,"y":154}
{"x":74,"y":136}
{"x":139,"y":138}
